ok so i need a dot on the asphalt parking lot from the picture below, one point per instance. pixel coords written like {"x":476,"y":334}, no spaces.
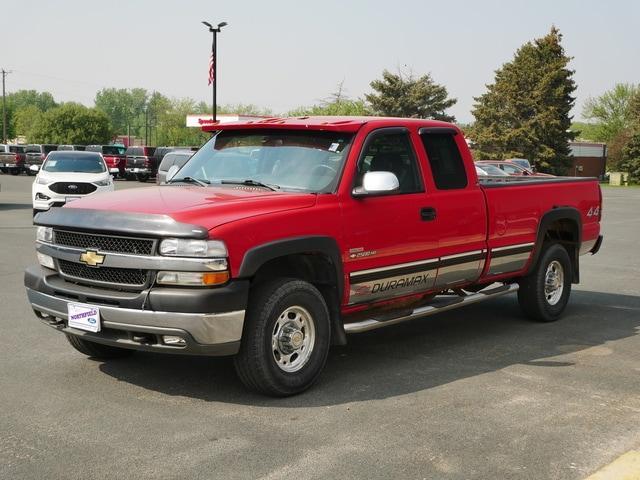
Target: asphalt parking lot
{"x":478,"y":393}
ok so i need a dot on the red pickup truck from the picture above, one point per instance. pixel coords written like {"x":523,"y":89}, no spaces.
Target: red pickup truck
{"x":281,"y":236}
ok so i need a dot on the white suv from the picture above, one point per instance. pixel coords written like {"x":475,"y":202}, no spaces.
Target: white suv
{"x":67,"y":176}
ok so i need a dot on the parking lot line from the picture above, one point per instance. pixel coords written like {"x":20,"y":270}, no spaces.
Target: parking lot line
{"x":625,"y":467}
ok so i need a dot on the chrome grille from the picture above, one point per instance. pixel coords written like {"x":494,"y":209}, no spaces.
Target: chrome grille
{"x":105,"y":243}
{"x":121,"y":276}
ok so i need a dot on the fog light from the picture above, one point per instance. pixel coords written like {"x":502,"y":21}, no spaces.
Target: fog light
{"x":45,"y":260}
{"x":42,"y":196}
{"x":173,"y":340}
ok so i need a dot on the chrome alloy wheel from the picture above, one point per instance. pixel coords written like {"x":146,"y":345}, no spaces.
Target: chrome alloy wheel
{"x":293,"y":338}
{"x":554,"y":282}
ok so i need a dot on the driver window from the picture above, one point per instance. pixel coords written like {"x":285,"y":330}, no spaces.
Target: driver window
{"x":391,"y":152}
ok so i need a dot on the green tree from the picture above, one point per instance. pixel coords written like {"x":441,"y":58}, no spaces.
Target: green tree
{"x":21,"y":100}
{"x":239,"y":108}
{"x":611,"y":112}
{"x":337,"y":104}
{"x":72,"y":123}
{"x":404,"y":95}
{"x":125,"y":108}
{"x":525,"y":112}
{"x":43,"y":101}
{"x":172,"y":129}
{"x":25,"y":120}
{"x":631,"y":158}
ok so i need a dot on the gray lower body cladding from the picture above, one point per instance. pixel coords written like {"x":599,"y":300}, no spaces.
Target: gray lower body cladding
{"x":126,"y":316}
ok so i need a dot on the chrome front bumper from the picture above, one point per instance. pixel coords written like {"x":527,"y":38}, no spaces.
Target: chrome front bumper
{"x":204,"y":333}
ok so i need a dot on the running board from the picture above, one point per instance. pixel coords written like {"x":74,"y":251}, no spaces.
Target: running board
{"x":431,"y":309}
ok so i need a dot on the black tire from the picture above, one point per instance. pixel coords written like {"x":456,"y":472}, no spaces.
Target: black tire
{"x":256,"y":362}
{"x":534,"y":301}
{"x":14,"y":171}
{"x":97,"y":350}
{"x":30,"y":172}
{"x":142,"y":177}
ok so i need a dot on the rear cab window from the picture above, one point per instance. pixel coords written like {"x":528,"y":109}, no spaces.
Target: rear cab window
{"x":447,"y":165}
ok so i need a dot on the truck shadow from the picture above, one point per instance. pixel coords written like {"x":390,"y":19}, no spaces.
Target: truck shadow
{"x":409,"y":357}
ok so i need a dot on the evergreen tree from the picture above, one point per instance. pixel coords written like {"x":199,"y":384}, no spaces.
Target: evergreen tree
{"x":525,"y":112}
{"x":404,"y":95}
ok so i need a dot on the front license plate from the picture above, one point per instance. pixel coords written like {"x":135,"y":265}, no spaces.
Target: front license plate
{"x":71,"y":199}
{"x":84,"y":317}
{"x":136,"y":170}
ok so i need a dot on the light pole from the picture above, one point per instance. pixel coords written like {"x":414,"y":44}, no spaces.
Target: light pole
{"x":213,"y":69}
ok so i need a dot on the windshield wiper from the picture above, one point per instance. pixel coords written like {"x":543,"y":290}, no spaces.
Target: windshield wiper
{"x":251,"y":183}
{"x":197,"y":181}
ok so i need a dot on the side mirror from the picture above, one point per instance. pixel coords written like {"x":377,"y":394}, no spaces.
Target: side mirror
{"x":173,"y":169}
{"x":377,"y":183}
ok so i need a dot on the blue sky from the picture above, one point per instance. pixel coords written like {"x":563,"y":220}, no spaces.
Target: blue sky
{"x":282,"y":53}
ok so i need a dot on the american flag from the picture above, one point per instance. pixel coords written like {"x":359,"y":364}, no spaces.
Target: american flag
{"x":211,"y":72}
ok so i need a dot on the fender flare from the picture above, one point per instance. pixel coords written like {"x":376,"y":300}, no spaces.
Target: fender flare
{"x":258,"y":256}
{"x":559,"y":213}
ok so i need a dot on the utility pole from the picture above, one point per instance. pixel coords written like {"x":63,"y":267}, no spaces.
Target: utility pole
{"x":4,"y":108}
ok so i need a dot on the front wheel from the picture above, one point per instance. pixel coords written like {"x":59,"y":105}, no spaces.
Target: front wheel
{"x":544,"y":293}
{"x":286,"y":338}
{"x":97,"y":350}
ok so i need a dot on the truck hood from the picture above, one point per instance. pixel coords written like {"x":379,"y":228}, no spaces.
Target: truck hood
{"x":208,"y":207}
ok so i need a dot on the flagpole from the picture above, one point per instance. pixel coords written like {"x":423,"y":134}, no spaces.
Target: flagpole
{"x":215,"y":73}
{"x":214,"y":65}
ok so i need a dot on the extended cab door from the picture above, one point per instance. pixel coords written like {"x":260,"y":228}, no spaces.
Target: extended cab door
{"x":390,"y":239}
{"x":458,"y":204}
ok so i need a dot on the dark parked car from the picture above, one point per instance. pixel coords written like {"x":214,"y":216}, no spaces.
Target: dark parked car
{"x":140,"y":163}
{"x":12,"y":158}
{"x":72,"y":147}
{"x":114,"y":155}
{"x":36,"y":155}
{"x":178,"y":157}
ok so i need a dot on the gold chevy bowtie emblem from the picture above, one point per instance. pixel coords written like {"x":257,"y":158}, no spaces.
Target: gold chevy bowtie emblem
{"x":92,"y":258}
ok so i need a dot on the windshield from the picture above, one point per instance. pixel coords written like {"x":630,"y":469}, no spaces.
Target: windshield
{"x":33,"y":149}
{"x":74,"y":163}
{"x":307,"y":161}
{"x":521,"y":162}
{"x":113,"y":150}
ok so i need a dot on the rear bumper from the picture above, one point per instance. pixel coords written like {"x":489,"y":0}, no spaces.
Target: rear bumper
{"x":127,"y":323}
{"x":596,"y":247}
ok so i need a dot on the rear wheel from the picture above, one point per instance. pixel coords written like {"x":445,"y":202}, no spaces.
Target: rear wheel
{"x":97,"y":350}
{"x":14,"y":171}
{"x":286,"y":338}
{"x":544,"y":293}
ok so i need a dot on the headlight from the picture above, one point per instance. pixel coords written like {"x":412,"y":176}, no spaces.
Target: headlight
{"x":194,"y":279}
{"x":41,"y":181}
{"x":179,"y":247}
{"x":44,"y":234}
{"x":103,"y":183}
